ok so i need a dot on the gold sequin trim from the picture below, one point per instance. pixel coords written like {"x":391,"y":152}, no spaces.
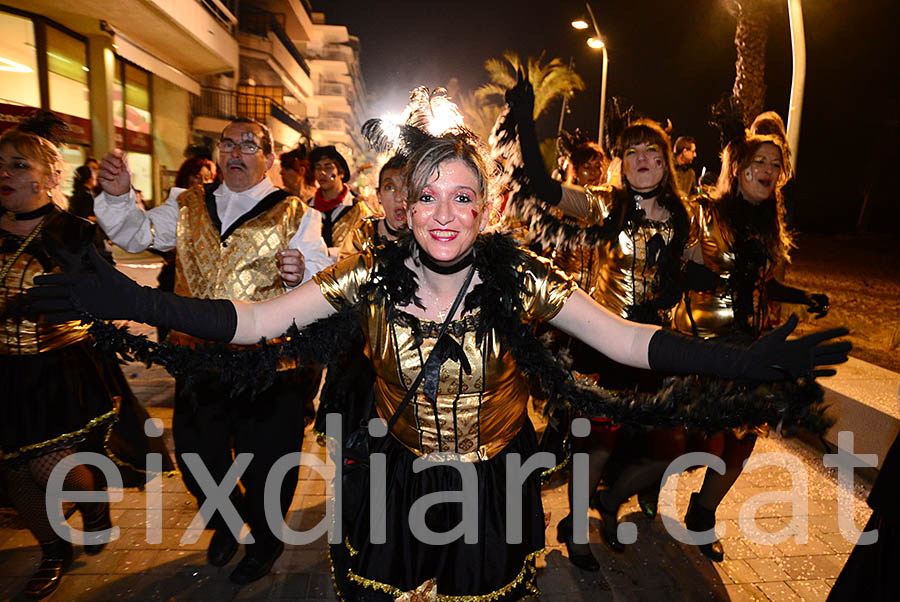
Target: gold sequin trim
{"x":120,"y":462}
{"x":526,"y":576}
{"x":349,"y":547}
{"x":551,"y":471}
{"x":94,"y":423}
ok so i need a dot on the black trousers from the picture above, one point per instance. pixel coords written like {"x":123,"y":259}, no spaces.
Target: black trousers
{"x":208,"y":422}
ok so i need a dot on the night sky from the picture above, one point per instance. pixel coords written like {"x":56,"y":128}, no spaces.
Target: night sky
{"x":671,"y":60}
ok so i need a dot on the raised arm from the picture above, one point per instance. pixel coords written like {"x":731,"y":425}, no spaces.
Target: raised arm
{"x":126,"y":224}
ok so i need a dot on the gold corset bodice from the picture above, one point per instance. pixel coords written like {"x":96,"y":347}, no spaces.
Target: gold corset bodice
{"x":477,"y":412}
{"x":625,"y":277}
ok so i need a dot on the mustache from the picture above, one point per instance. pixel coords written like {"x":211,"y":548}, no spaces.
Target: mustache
{"x":238,"y":162}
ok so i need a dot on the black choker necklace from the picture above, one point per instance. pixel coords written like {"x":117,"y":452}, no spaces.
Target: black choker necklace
{"x":389,"y":230}
{"x":437,"y":268}
{"x":640,"y":196}
{"x":21,"y":217}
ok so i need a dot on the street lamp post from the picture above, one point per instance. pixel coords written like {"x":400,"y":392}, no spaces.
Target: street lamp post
{"x":596,"y":42}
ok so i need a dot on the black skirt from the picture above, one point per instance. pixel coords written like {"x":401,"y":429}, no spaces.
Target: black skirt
{"x":491,"y":567}
{"x":72,"y":397}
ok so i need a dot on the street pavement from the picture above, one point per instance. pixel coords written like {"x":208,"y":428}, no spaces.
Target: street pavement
{"x":656,"y":567}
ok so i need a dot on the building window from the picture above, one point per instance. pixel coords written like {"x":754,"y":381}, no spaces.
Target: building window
{"x":133,"y":121}
{"x":19,"y":81}
{"x":67,"y":74}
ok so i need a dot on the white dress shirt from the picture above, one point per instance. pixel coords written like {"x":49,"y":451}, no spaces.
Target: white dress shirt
{"x":135,"y":229}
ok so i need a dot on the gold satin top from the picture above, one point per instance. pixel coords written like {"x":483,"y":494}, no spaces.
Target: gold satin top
{"x":711,"y":310}
{"x":349,"y":221}
{"x":475,"y":415}
{"x":364,"y":238}
{"x":621,"y":276}
{"x":19,"y":336}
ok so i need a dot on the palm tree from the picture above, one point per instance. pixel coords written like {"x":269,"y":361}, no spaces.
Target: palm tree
{"x":551,"y":80}
{"x":750,"y":37}
{"x":480,"y":115}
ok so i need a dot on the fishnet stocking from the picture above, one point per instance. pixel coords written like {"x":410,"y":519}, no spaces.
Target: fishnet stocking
{"x":28,"y":499}
{"x":78,"y":478}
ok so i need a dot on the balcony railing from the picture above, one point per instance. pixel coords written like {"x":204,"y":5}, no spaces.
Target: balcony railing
{"x":224,"y":12}
{"x":231,"y":104}
{"x":328,"y":123}
{"x":260,"y":23}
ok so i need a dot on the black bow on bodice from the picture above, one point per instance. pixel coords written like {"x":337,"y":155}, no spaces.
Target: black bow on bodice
{"x":445,"y":348}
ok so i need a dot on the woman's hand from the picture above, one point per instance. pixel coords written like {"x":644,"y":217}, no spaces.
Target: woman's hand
{"x":88,"y":285}
{"x":520,"y":97}
{"x":817,"y":305}
{"x":775,"y":357}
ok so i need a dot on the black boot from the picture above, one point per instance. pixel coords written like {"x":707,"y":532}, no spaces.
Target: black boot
{"x":222,"y":546}
{"x":699,"y":518}
{"x":648,"y":500}
{"x":586,"y":561}
{"x":55,"y":559}
{"x":99,"y":521}
{"x":609,"y":511}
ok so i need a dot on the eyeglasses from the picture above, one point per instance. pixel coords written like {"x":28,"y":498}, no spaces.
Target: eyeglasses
{"x":247,"y":147}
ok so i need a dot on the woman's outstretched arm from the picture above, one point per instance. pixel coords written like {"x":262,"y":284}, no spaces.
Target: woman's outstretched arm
{"x":771,"y":358}
{"x":89,"y":285}
{"x":269,"y":319}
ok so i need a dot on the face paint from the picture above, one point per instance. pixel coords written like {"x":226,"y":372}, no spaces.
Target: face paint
{"x":474,"y":214}
{"x":748,"y":174}
{"x":659,"y":163}
{"x":35,"y":187}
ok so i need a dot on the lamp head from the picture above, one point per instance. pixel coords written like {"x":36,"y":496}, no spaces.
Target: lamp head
{"x":580,"y":23}
{"x":595,"y":43}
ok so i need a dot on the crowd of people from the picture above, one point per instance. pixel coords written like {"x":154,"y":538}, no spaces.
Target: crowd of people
{"x":639,"y":272}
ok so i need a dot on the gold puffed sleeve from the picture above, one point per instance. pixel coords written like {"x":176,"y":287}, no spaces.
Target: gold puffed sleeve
{"x":340,"y":283}
{"x":546,"y":288}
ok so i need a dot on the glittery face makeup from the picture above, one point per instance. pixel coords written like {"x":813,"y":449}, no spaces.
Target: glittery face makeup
{"x":448,"y":213}
{"x":644,"y":166}
{"x":590,"y":173}
{"x":23,"y":181}
{"x":761,"y":176}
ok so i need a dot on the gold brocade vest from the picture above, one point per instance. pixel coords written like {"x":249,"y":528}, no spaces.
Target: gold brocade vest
{"x":347,"y":222}
{"x":18,"y":335}
{"x":239,"y":264}
{"x":476,"y":413}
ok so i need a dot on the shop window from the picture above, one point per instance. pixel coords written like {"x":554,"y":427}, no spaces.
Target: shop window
{"x":67,"y":74}
{"x":141,"y":173}
{"x":19,"y":84}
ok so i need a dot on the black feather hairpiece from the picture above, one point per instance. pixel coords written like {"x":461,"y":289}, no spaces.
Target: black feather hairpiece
{"x":727,"y":117}
{"x":45,"y":124}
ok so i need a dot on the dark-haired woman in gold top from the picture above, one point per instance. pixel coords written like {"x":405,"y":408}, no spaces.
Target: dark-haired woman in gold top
{"x":741,"y":239}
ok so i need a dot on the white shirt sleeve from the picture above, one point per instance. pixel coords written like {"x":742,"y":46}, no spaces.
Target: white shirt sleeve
{"x":308,"y":239}
{"x":134,"y":229}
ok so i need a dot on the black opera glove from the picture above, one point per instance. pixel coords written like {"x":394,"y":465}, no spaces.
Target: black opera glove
{"x":89,"y":285}
{"x":520,"y":99}
{"x":771,"y":358}
{"x":817,"y":305}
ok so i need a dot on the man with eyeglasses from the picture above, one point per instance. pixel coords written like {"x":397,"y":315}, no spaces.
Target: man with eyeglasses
{"x":229,"y":240}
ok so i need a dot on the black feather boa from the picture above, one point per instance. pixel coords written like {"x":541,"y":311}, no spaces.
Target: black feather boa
{"x":705,"y":404}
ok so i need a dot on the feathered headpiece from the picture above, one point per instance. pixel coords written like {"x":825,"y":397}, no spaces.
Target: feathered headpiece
{"x":429,"y":113}
{"x":619,"y":116}
{"x":46,"y":125}
{"x":727,"y":117}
